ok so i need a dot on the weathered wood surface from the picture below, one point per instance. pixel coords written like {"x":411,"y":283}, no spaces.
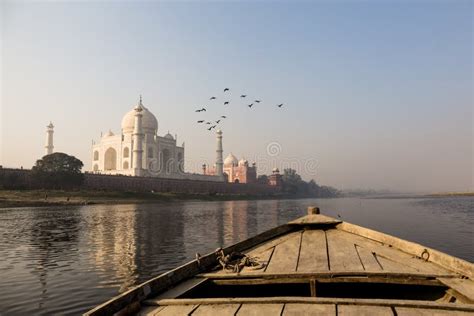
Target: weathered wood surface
{"x":432,"y":306}
{"x":216,"y":310}
{"x":396,"y":259}
{"x":181,"y":288}
{"x":446,"y":261}
{"x":462,"y":286}
{"x":149,"y":310}
{"x":293,"y":309}
{"x":327,"y":274}
{"x":315,"y":220}
{"x":259,"y":309}
{"x":313,"y":254}
{"x":342,"y":253}
{"x":285,"y":256}
{"x":363,"y":310}
{"x":405,"y":311}
{"x":174,"y":310}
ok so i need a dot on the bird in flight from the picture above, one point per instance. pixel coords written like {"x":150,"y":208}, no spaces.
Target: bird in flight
{"x":243,"y":95}
{"x":201,"y":121}
{"x":212,"y":98}
{"x":208,"y":123}
{"x":226,"y":102}
{"x":201,"y":110}
{"x":223,"y":116}
{"x":280,"y":105}
{"x":258,"y":101}
{"x":250,"y":105}
{"x":213,"y":126}
{"x":218,"y":121}
{"x":226,"y":89}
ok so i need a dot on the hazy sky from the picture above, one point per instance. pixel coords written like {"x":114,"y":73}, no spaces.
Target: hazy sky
{"x":377,"y":94}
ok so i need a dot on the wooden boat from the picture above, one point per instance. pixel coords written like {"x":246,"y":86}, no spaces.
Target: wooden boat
{"x":313,"y":265}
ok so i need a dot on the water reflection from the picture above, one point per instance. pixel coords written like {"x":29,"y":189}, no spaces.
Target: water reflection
{"x":111,"y":238}
{"x":65,"y":260}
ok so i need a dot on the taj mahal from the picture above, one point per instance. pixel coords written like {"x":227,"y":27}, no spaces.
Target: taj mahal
{"x":138,"y":151}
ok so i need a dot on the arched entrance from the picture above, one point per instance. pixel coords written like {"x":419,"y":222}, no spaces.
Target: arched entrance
{"x":110,"y":159}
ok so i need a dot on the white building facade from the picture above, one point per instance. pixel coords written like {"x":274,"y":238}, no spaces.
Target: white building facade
{"x":139,"y":151}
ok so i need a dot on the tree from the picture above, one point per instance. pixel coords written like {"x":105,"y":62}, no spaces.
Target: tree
{"x":262,"y":179}
{"x":58,"y":171}
{"x":292,"y":182}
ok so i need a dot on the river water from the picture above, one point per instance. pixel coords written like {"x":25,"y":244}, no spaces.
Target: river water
{"x":65,"y":260}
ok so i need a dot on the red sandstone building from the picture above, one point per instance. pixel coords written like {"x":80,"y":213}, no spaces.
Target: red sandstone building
{"x":236,"y":171}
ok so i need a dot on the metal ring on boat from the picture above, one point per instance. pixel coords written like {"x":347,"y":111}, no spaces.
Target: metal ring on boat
{"x":425,"y":255}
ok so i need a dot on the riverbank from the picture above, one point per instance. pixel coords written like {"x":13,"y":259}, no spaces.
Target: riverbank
{"x":448,"y":194}
{"x":35,"y":198}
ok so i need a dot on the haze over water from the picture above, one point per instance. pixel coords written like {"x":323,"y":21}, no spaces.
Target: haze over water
{"x":66,"y":260}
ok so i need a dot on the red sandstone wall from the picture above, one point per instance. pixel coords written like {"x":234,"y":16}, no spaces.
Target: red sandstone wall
{"x":147,"y":184}
{"x":22,"y":179}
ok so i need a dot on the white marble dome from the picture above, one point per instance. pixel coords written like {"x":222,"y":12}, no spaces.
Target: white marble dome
{"x":230,"y":160}
{"x":243,"y":162}
{"x":169,"y":136}
{"x":149,"y":121}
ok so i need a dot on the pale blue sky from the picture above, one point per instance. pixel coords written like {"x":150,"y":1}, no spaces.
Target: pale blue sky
{"x":379,"y":93}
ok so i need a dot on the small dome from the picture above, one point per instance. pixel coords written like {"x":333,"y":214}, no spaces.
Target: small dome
{"x":149,"y":121}
{"x":243,"y":162}
{"x":169,"y":136}
{"x":230,"y":160}
{"x":109,"y":133}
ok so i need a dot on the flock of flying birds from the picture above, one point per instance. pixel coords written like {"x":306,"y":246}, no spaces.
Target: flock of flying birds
{"x":213,"y":124}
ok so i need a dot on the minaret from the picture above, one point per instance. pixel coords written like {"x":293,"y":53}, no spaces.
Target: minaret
{"x":138,"y":140}
{"x":49,"y":139}
{"x":219,"y":160}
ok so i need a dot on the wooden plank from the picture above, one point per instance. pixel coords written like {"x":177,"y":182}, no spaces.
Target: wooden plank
{"x":259,"y":309}
{"x":410,"y":311}
{"x":313,"y":254}
{"x":399,"y":259}
{"x":444,"y":260}
{"x":316,"y":219}
{"x":176,"y":310}
{"x":328,"y":274}
{"x":321,"y":300}
{"x":285,"y":256}
{"x":342,"y":252}
{"x":181,"y":288}
{"x":363,"y":310}
{"x":270,"y":244}
{"x":308,"y":309}
{"x":390,"y":265}
{"x":462,"y":286}
{"x":369,"y":261}
{"x":220,"y":309}
{"x":149,"y":310}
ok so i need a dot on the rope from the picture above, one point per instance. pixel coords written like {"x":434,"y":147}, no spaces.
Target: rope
{"x":236,"y":261}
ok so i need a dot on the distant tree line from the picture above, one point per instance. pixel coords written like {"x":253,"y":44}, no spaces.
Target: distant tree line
{"x":294,"y":185}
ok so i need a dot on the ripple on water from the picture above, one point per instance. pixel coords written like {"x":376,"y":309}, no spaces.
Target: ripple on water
{"x":67,"y":260}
